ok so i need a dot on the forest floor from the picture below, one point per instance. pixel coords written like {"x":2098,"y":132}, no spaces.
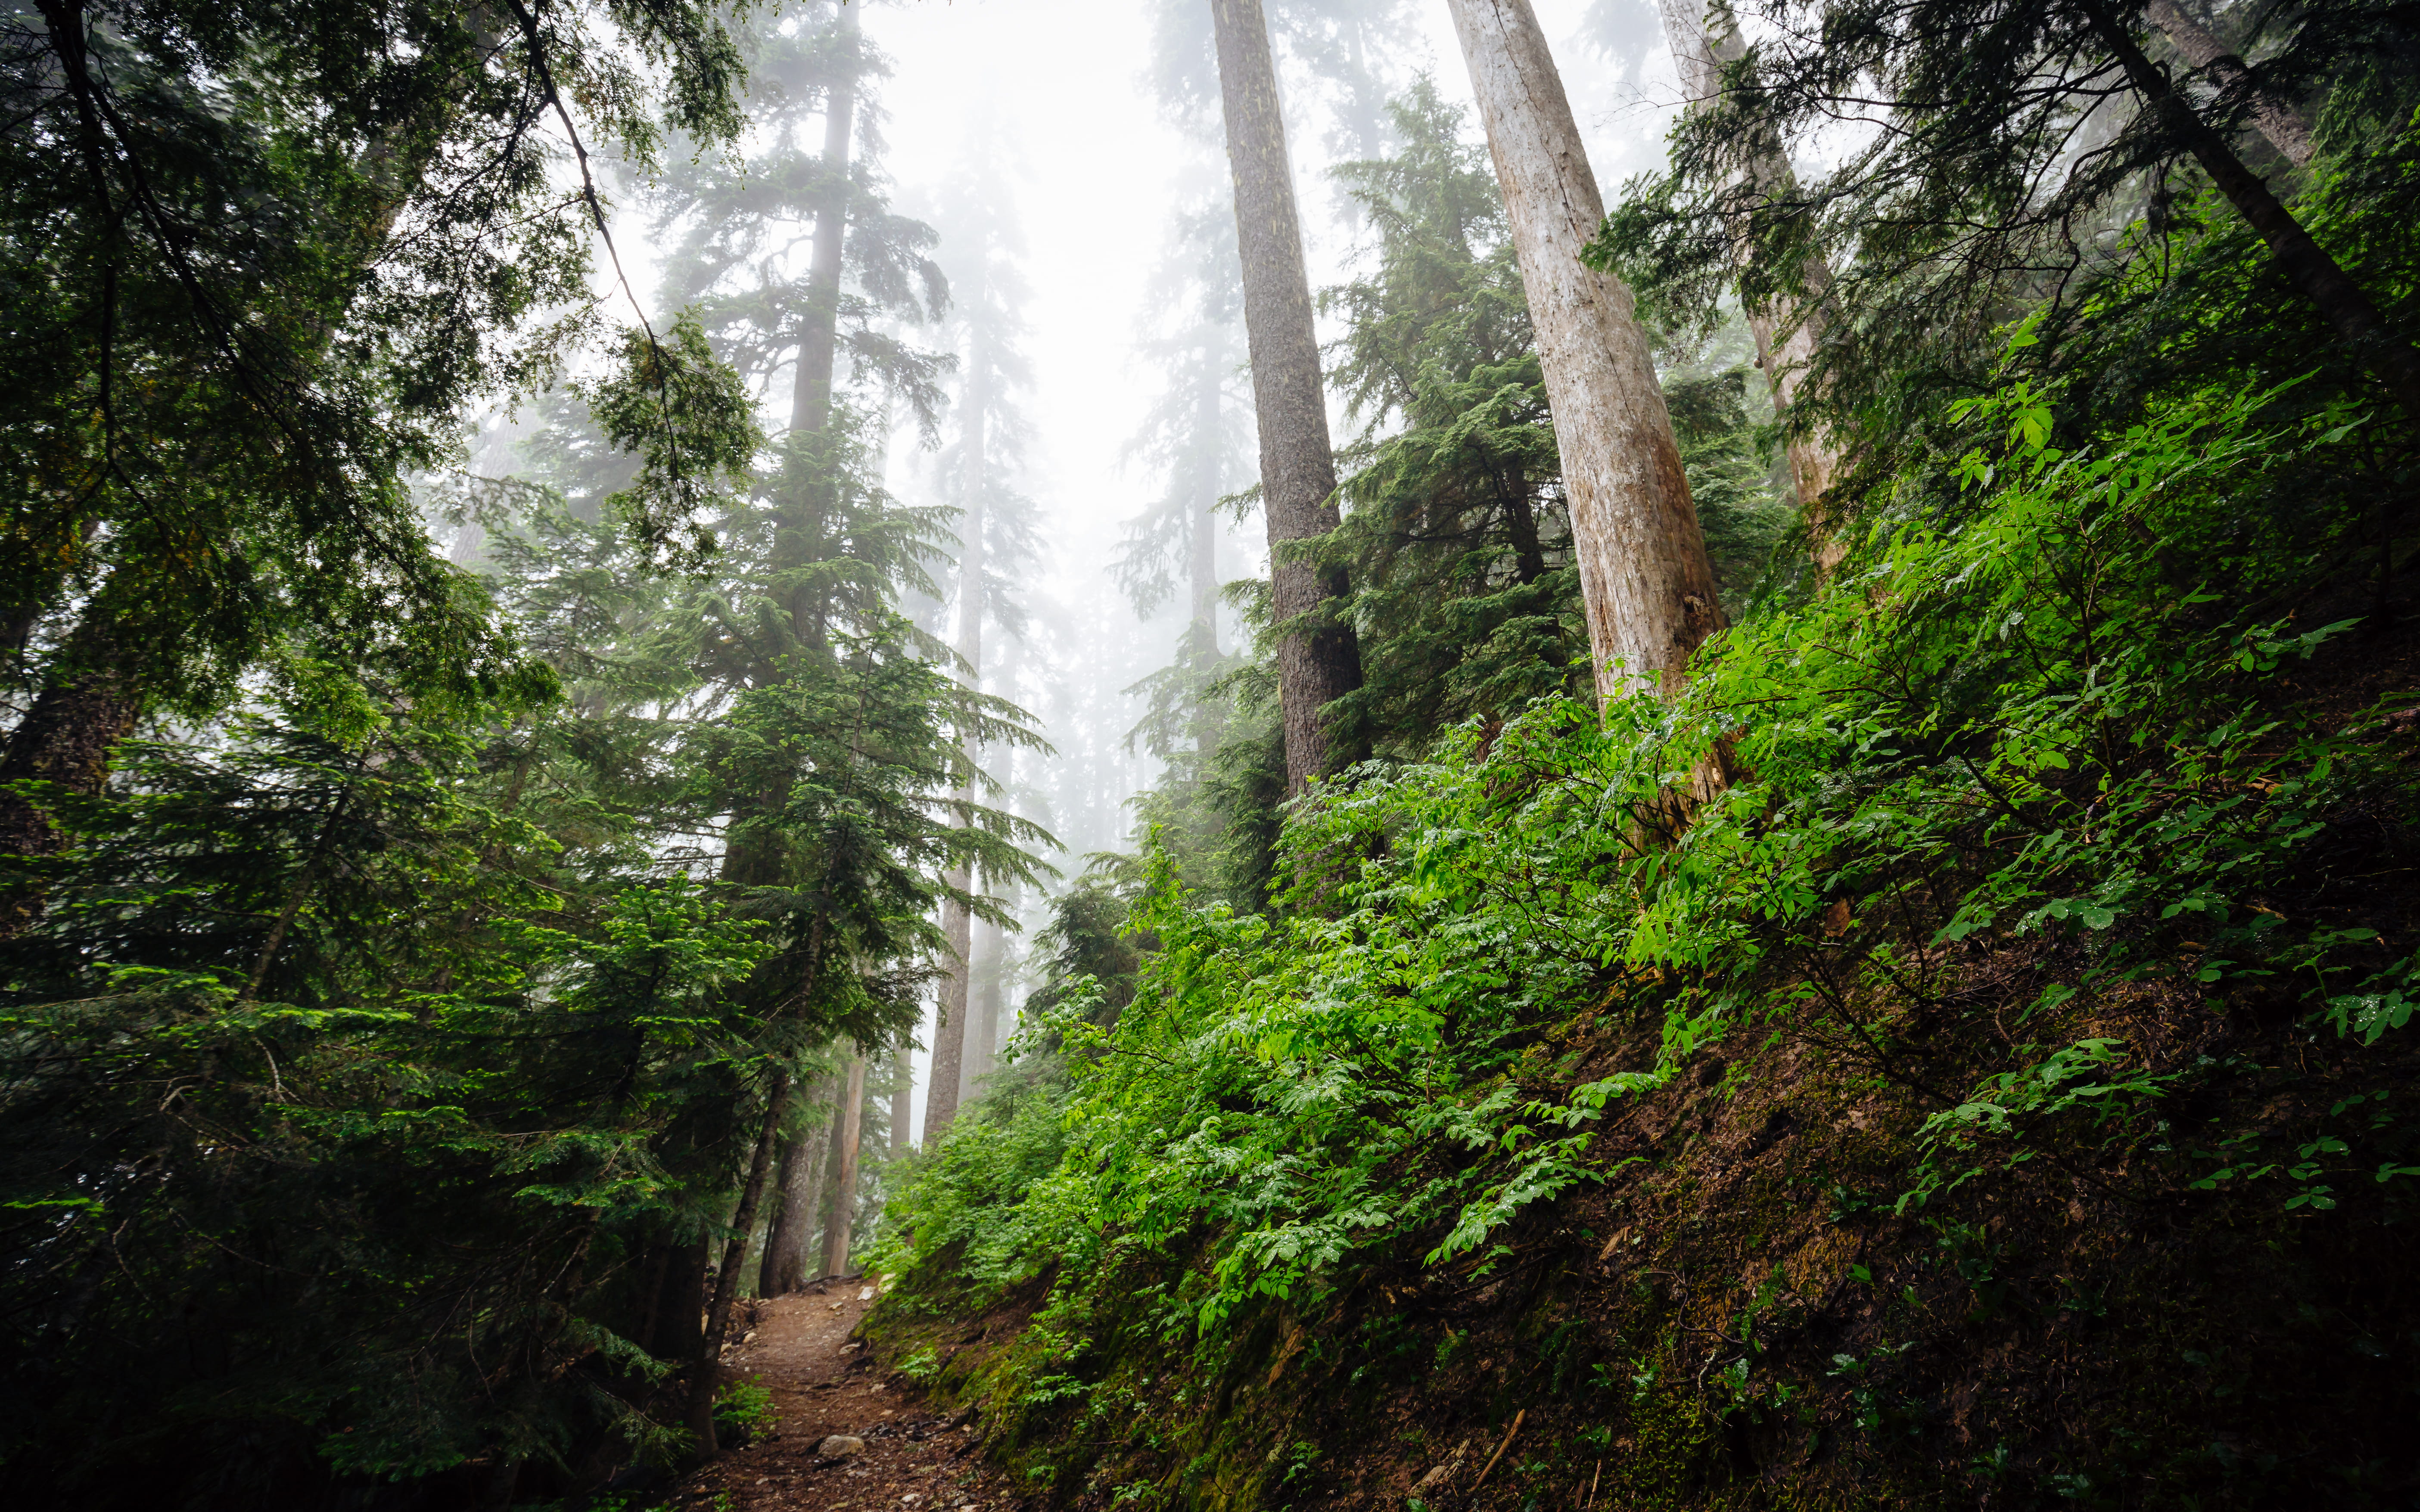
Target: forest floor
{"x":824,"y":1386}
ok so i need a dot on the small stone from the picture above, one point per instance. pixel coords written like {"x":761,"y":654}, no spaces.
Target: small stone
{"x":912,"y":1498}
{"x":1435,"y":1477}
{"x":865,"y":1293}
{"x":838,"y":1446}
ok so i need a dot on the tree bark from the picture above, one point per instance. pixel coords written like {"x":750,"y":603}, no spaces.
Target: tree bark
{"x":1647,"y":585}
{"x":708,"y":1376}
{"x":2287,"y":129}
{"x":838,"y":1221}
{"x":2315,"y":275}
{"x":1786,"y":332}
{"x":798,"y":1197}
{"x":1319,"y":659}
{"x":66,"y":738}
{"x":957,"y":925}
{"x":903,"y":1092}
{"x":811,"y":399}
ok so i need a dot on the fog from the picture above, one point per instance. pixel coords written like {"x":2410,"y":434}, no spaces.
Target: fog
{"x":1060,"y":101}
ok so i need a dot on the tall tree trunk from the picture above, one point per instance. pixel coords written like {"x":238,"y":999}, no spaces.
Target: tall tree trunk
{"x":902,"y":1092}
{"x":65,"y":738}
{"x":2287,"y":129}
{"x":1647,"y":585}
{"x":1786,"y":332}
{"x":843,"y":1192}
{"x":2315,"y":275}
{"x":1319,"y":660}
{"x":798,"y":1191}
{"x":811,"y":399}
{"x":709,"y":1377}
{"x":957,"y":925}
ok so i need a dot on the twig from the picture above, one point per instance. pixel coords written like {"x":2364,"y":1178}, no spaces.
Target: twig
{"x":1500,"y":1448}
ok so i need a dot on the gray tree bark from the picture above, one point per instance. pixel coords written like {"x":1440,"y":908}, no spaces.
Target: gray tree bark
{"x":1648,"y":587}
{"x":2287,"y":129}
{"x":1319,"y":659}
{"x":811,"y":400}
{"x":843,"y":1212}
{"x":957,"y":925}
{"x":1786,"y":332}
{"x":903,"y":1089}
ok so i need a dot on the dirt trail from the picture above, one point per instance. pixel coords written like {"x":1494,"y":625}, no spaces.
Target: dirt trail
{"x":824,"y":1386}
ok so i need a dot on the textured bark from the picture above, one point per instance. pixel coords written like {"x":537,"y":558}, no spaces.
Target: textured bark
{"x":1648,"y":587}
{"x":842,"y":1212}
{"x":708,"y":1376}
{"x":65,"y":738}
{"x":798,"y":1191}
{"x":1786,"y":332}
{"x":2316,"y":275}
{"x":2287,"y":129}
{"x":1319,"y":660}
{"x":957,"y":925}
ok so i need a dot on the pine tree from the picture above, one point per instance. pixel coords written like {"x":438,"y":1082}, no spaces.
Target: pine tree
{"x":1644,"y":573}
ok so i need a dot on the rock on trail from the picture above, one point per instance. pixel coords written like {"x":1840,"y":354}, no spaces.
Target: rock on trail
{"x":844,"y":1440}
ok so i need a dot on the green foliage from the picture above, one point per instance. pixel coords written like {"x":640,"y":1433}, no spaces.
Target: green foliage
{"x":2048,"y":715}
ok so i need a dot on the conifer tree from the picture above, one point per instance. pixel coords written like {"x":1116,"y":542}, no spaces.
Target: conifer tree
{"x":1644,"y":573}
{"x":1318,"y":661}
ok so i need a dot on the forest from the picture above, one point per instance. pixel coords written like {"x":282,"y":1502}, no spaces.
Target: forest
{"x":1210,"y":754}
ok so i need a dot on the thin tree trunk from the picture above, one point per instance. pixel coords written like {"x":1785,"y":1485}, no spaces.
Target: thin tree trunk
{"x":957,"y":925}
{"x":2287,"y":129}
{"x":903,"y":1092}
{"x":1647,"y":585}
{"x":843,"y":1214}
{"x":811,"y":400}
{"x":1319,"y":659}
{"x":727,"y":1281}
{"x":1786,"y":332}
{"x":798,"y":1195}
{"x":2315,"y":275}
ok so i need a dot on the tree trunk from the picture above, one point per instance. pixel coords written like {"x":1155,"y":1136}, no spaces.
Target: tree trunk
{"x":843,"y":1192}
{"x":1319,"y":660}
{"x":727,"y":1281}
{"x":811,"y":400}
{"x":957,"y":925}
{"x":2316,"y":275}
{"x":1786,"y":332}
{"x":798,"y":1191}
{"x":65,"y":738}
{"x":1647,"y":585}
{"x":2287,"y":129}
{"x":902,"y":1092}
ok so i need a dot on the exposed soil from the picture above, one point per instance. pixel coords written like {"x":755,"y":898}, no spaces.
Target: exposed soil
{"x":823,"y":1385}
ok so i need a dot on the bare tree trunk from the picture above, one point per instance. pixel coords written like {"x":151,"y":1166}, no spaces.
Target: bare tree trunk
{"x":2287,"y":129}
{"x":2317,"y":276}
{"x":1319,"y":659}
{"x":708,"y":1376}
{"x":1202,"y":557}
{"x":1786,"y":334}
{"x":957,"y":925}
{"x":903,"y":1092}
{"x":797,"y":1191}
{"x":844,"y":1190}
{"x":811,"y":400}
{"x":1645,"y":582}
